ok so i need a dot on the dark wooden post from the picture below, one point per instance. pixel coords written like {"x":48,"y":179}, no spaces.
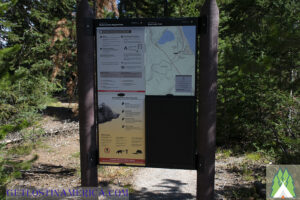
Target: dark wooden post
{"x":207,"y":100}
{"x":166,"y":14}
{"x":87,"y":129}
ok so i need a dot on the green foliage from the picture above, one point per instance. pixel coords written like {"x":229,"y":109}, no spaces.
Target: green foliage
{"x":23,"y":149}
{"x":139,"y":9}
{"x":37,"y":59}
{"x":109,"y":15}
{"x":11,"y":169}
{"x":253,"y":110}
{"x":10,"y":162}
{"x":76,"y":155}
{"x":254,"y":156}
{"x":155,"y":8}
{"x":258,"y":89}
{"x":4,"y":129}
{"x":223,"y":153}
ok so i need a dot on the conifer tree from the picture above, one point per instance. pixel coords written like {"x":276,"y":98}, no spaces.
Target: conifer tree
{"x":36,"y":36}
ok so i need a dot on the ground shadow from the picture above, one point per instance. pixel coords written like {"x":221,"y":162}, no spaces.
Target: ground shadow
{"x":172,"y":190}
{"x":61,"y":113}
{"x":52,"y":170}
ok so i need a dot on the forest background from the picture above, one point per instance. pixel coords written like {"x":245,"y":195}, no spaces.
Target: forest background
{"x":258,"y":100}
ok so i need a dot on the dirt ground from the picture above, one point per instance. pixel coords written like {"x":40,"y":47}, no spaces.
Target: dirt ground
{"x":58,"y":166}
{"x":58,"y":160}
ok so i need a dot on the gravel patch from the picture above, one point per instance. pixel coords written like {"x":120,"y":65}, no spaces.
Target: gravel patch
{"x":154,"y":183}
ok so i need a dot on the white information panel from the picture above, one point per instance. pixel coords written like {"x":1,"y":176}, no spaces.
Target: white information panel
{"x":121,"y":95}
{"x":120,"y":59}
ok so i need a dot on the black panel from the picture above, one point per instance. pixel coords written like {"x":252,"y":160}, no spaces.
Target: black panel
{"x":170,"y":131}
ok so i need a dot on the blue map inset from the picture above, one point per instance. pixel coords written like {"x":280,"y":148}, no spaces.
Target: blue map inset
{"x":190,"y":34}
{"x":167,"y":36}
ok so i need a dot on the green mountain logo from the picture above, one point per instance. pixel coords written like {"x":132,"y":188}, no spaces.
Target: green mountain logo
{"x":283,"y":185}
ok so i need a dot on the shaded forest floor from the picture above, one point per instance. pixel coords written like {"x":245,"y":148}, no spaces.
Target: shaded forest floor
{"x":58,"y":166}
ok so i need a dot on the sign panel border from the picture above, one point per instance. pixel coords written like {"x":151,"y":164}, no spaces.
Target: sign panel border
{"x":148,"y":22}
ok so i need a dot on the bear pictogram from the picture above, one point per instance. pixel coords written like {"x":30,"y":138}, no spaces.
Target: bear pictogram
{"x":105,"y":114}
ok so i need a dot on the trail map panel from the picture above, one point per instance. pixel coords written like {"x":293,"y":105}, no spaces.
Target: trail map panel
{"x":170,"y":60}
